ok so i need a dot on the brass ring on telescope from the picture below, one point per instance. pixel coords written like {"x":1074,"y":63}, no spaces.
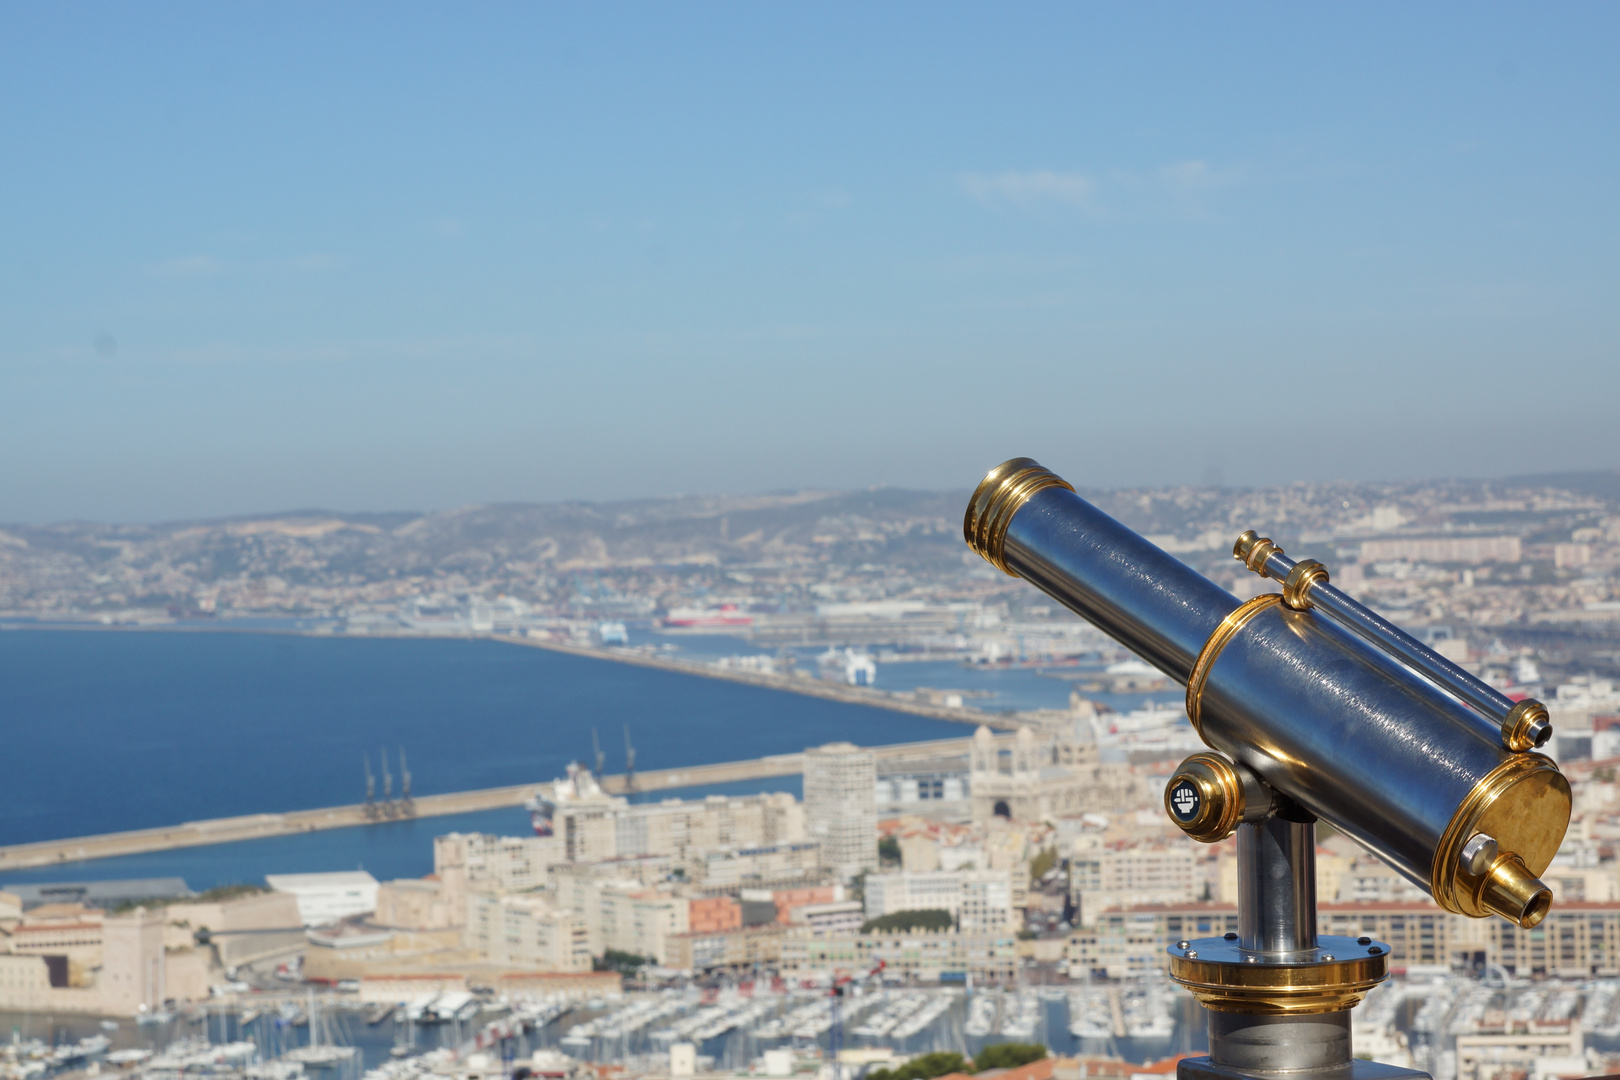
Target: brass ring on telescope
{"x":1524,"y":804}
{"x":1297,"y":585}
{"x":1001,"y":494}
{"x":1212,"y":651}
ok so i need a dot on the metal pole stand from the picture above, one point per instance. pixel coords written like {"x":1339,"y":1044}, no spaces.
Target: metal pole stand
{"x":1279,"y":997}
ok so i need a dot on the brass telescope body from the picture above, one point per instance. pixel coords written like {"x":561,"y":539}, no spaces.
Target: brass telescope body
{"x":1364,"y":737}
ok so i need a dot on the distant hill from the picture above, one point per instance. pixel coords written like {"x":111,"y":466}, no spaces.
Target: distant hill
{"x":907,"y":527}
{"x":1599,"y":483}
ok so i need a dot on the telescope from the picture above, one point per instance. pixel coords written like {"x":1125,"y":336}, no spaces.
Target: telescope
{"x":1314,"y":708}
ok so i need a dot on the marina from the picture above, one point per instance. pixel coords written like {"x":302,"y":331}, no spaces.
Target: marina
{"x":332,"y":1037}
{"x":328,"y":1037}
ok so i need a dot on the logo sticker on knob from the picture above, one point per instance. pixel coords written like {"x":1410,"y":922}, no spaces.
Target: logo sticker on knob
{"x":1185,"y":801}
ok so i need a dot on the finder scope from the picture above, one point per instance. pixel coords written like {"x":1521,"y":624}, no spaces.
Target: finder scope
{"x":1314,"y":707}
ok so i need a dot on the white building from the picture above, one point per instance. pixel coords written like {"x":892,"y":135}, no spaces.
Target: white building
{"x":327,"y":898}
{"x":1055,"y":773}
{"x":527,"y":932}
{"x":772,"y":864}
{"x":838,"y":917}
{"x":839,"y":809}
{"x":977,"y":899}
{"x":624,"y":914}
{"x":1153,"y":872}
{"x":591,"y":825}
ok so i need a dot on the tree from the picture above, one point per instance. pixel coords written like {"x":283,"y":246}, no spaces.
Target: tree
{"x":1007,"y":1056}
{"x":889,"y":850}
{"x":926,"y":1067}
{"x":1041,"y":863}
{"x":624,"y":963}
{"x":901,"y":921}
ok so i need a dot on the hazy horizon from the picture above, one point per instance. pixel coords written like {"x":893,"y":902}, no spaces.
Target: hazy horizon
{"x":387,"y":256}
{"x":1548,"y":479}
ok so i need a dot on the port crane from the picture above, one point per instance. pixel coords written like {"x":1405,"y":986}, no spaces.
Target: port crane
{"x":371,"y":787}
{"x":405,"y":807}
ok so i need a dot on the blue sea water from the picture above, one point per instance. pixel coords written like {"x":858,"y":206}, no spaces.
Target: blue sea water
{"x":112,"y":730}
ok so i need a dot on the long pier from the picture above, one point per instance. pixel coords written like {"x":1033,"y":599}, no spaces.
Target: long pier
{"x":810,"y":687}
{"x":260,"y":826}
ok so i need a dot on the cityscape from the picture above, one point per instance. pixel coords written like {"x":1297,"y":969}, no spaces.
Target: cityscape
{"x":499,"y":578}
{"x":1015,"y":886}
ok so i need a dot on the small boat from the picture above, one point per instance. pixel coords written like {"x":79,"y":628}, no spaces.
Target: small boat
{"x":109,"y":1025}
{"x":128,"y":1057}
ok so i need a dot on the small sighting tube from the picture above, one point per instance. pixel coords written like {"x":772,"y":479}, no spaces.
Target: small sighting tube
{"x":1492,"y":706}
{"x":1277,"y":888}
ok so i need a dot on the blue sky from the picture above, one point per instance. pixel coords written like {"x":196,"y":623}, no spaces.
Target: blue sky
{"x":259,"y":257}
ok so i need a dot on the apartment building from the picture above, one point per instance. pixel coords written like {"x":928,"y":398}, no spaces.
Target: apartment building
{"x":919,"y":956}
{"x":742,"y":946}
{"x":839,"y":808}
{"x":624,"y":914}
{"x":1131,"y":875}
{"x":789,"y":862}
{"x":527,"y":932}
{"x":824,"y":920}
{"x":980,"y":900}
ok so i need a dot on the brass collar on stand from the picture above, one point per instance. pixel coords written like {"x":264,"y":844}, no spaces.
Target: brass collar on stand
{"x":1226,"y":978}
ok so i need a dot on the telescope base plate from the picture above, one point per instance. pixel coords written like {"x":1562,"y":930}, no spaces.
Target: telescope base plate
{"x":1201,"y":1068}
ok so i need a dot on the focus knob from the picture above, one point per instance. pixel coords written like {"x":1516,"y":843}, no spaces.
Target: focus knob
{"x":1205,"y":798}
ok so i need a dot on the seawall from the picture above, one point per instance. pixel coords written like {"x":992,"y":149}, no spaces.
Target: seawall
{"x":258,"y":826}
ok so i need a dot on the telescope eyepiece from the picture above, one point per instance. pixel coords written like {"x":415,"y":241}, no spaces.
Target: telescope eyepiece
{"x":1502,"y":884}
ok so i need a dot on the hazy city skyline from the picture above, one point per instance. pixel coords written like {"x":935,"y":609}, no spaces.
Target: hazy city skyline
{"x":268,"y":258}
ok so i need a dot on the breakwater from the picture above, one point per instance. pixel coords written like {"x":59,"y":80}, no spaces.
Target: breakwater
{"x":259,"y":826}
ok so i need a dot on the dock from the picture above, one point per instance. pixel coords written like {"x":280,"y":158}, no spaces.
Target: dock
{"x":260,"y":826}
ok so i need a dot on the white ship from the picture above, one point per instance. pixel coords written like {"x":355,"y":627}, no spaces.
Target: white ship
{"x":578,"y":786}
{"x":724,"y":617}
